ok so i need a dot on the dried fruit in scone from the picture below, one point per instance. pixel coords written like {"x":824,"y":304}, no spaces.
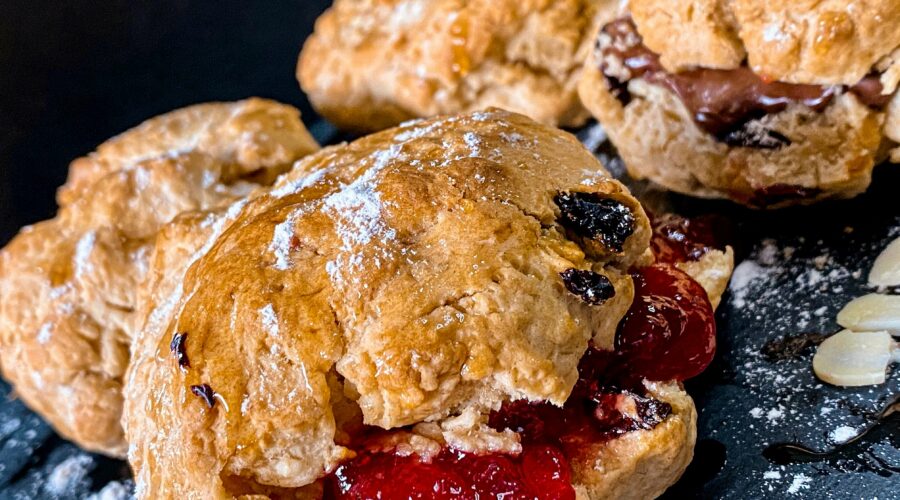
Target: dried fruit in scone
{"x":431,"y":310}
{"x":68,"y":285}
{"x":375,"y":63}
{"x":766,"y":104}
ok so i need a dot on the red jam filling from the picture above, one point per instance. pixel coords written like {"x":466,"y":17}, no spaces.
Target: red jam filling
{"x":679,"y":239}
{"x":539,"y":472}
{"x":668,"y":333}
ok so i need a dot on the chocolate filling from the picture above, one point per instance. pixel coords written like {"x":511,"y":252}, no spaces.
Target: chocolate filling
{"x":722,"y":102}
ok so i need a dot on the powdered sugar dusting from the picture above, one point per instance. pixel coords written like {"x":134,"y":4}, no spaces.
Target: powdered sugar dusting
{"x":593,"y":137}
{"x":269,"y":319}
{"x":70,"y":474}
{"x":83,"y":250}
{"x":116,"y":490}
{"x":300,"y":184}
{"x":44,"y":333}
{"x":788,"y":287}
{"x":842,"y":434}
{"x":801,"y":481}
{"x":358,"y":213}
{"x":282,"y":240}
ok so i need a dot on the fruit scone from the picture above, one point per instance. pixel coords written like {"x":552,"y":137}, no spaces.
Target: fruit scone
{"x":461,"y":307}
{"x":765,"y":103}
{"x":68,"y":285}
{"x":371,"y":64}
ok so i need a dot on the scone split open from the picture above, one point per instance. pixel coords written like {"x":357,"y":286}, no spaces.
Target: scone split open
{"x":710,"y":123}
{"x":380,"y":306}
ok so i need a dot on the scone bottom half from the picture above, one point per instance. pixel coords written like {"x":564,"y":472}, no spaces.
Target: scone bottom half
{"x":713,"y":129}
{"x":466,"y":306}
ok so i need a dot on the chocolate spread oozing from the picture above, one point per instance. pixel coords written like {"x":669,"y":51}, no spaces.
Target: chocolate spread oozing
{"x":722,"y":102}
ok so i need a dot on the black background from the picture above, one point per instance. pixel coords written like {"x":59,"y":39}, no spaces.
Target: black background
{"x":73,"y":74}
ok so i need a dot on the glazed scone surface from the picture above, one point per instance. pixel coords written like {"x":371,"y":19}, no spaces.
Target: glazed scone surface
{"x":373,"y":63}
{"x":410,"y":276}
{"x":69,"y":284}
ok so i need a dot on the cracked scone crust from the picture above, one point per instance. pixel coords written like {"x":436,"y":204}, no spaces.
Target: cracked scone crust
{"x":828,"y":153}
{"x":69,"y":284}
{"x":410,"y":276}
{"x":374,"y":63}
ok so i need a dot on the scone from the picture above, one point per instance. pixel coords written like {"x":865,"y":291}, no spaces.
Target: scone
{"x":371,"y":64}
{"x":767,"y":104}
{"x":68,"y":285}
{"x":441,"y":310}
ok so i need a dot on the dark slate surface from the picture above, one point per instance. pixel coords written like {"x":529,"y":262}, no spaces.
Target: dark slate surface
{"x":78,"y":73}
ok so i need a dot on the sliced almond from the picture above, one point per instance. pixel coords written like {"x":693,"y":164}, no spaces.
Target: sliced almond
{"x":872,"y":312}
{"x":852,"y":359}
{"x":886,"y":270}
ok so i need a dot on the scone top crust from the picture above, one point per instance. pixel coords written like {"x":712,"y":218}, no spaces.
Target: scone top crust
{"x":798,"y":41}
{"x":68,"y":285}
{"x":411,"y":276}
{"x":374,"y":63}
{"x":254,"y":139}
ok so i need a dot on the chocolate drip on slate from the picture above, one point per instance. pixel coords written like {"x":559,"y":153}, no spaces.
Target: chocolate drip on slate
{"x":857,"y":449}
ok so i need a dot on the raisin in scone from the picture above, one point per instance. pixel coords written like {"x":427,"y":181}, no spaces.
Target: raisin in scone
{"x":450,"y":308}
{"x":68,"y":285}
{"x":371,"y":64}
{"x":766,"y":104}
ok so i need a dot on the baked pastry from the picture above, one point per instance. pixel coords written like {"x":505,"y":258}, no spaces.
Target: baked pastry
{"x":371,"y":64}
{"x":437,"y":304}
{"x":68,"y":285}
{"x":766,"y":104}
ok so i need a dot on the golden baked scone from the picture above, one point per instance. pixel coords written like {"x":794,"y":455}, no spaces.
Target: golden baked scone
{"x":371,"y":64}
{"x":765,"y":104}
{"x":68,"y":285}
{"x":413,"y":280}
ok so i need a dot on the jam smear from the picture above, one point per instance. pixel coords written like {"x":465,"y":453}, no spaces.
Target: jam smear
{"x":670,"y":330}
{"x":539,"y":472}
{"x":680,"y":239}
{"x":668,"y":333}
